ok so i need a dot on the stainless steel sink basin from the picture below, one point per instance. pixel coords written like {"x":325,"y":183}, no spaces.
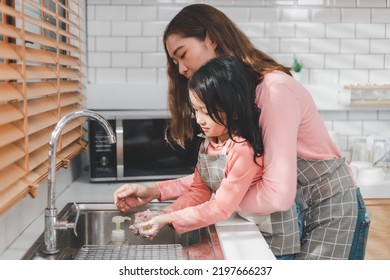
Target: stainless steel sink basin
{"x":94,"y":229}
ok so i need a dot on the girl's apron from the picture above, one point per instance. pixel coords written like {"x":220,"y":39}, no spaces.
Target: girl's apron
{"x":212,"y":167}
{"x":280,"y":229}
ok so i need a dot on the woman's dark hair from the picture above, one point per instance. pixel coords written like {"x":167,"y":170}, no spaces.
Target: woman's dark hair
{"x":197,"y":21}
{"x":225,"y":84}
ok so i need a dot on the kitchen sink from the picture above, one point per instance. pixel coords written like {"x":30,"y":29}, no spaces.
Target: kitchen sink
{"x":94,"y":227}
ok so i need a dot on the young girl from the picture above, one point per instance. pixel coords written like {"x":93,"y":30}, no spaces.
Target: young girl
{"x":222,"y":96}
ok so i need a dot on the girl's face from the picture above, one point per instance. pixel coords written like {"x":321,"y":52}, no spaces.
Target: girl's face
{"x":210,"y":128}
{"x":189,"y":54}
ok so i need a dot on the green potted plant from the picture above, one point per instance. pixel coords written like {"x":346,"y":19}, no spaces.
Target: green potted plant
{"x":297,"y":67}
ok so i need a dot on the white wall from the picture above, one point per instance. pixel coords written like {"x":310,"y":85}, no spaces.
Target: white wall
{"x":340,"y":42}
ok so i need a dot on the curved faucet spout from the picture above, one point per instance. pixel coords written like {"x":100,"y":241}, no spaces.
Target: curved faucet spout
{"x":51,"y":211}
{"x":54,"y":141}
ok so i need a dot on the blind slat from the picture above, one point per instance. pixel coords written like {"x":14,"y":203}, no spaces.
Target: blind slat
{"x":14,"y":72}
{"x":41,"y":121}
{"x":51,"y":27}
{"x":9,"y":133}
{"x":10,"y":176}
{"x":71,"y":86}
{"x":53,"y":14}
{"x":13,"y":91}
{"x":72,"y":150}
{"x":38,"y":157}
{"x":9,"y":155}
{"x":70,"y":137}
{"x":13,"y":32}
{"x":39,"y":139}
{"x":69,"y":99}
{"x":37,"y":106}
{"x":42,"y":24}
{"x":9,"y":92}
{"x":12,"y":51}
{"x":9,"y":113}
{"x":71,"y":10}
{"x":9,"y":31}
{"x":40,"y":172}
{"x":75,"y":124}
{"x":9,"y":72}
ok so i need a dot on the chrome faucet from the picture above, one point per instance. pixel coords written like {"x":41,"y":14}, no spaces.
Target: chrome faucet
{"x":51,"y":224}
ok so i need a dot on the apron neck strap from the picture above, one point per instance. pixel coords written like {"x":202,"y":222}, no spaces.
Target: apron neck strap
{"x":224,"y":150}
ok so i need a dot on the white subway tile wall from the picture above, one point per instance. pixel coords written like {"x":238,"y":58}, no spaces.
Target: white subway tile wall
{"x":356,"y":33}
{"x":348,"y":124}
{"x":339,"y":42}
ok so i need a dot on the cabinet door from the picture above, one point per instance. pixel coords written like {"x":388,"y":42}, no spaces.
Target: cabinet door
{"x":378,"y":243}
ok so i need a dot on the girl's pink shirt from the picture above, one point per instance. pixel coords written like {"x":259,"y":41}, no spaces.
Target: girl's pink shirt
{"x":292,"y":128}
{"x":194,"y":209}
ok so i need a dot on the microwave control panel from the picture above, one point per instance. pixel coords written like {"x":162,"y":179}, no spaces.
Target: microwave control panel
{"x":102,"y":154}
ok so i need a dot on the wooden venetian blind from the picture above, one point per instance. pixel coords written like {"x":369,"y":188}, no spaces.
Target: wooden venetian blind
{"x":40,"y":82}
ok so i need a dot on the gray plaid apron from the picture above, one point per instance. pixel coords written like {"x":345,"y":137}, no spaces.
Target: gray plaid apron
{"x":327,"y":199}
{"x":280,"y":229}
{"x":212,"y":167}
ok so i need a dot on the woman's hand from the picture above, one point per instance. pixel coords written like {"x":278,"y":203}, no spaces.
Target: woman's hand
{"x":130,"y":196}
{"x":152,"y":227}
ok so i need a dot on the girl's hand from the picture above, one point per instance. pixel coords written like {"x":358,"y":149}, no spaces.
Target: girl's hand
{"x":152,"y":227}
{"x":141,"y":217}
{"x":130,"y":196}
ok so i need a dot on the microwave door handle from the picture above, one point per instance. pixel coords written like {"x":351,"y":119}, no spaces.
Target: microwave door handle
{"x":119,"y":148}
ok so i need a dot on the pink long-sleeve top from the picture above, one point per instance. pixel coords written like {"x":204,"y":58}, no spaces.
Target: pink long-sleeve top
{"x":194,"y":209}
{"x":292,"y":128}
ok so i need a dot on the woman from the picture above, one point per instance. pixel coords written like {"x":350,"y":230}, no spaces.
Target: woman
{"x":295,"y":142}
{"x":222,"y":95}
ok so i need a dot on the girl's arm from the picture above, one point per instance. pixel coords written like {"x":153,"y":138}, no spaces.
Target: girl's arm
{"x":241,"y":172}
{"x":197,"y":193}
{"x":172,"y":189}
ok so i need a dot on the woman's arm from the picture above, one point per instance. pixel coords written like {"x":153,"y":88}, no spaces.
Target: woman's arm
{"x":279,"y":120}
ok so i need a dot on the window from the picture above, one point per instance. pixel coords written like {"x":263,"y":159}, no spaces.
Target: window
{"x":40,"y":82}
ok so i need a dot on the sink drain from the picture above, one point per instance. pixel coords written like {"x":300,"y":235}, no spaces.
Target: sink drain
{"x":131,"y":252}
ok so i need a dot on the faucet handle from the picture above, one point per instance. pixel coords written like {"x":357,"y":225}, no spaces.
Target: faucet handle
{"x":65,"y":225}
{"x":77,"y":217}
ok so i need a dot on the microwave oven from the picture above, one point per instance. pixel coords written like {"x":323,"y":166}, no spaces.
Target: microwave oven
{"x":141,"y":151}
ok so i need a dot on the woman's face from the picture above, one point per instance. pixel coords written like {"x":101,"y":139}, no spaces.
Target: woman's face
{"x":189,"y":54}
{"x":209,"y":127}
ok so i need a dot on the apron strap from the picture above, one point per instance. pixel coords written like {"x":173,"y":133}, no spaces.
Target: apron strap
{"x":227,"y":144}
{"x":206,"y":143}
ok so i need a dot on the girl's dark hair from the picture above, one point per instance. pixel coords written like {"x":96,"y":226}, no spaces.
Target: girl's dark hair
{"x":197,"y":21}
{"x":225,"y":84}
